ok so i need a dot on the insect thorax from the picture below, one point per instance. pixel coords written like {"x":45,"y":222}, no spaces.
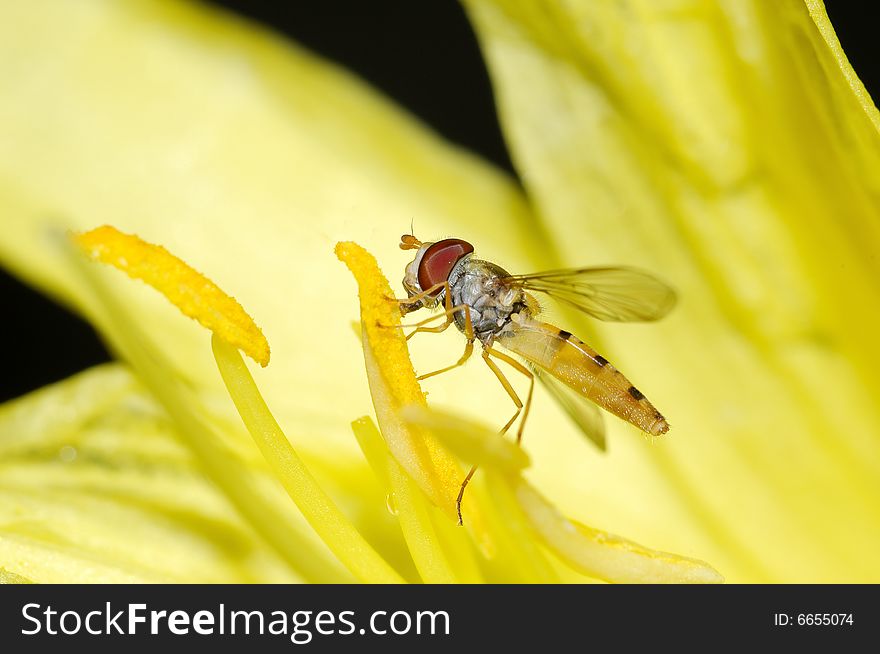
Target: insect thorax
{"x":478,"y":284}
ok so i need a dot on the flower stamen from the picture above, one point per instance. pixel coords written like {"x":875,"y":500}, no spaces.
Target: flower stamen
{"x":189,"y":290}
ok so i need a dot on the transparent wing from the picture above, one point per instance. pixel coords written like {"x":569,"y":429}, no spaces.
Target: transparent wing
{"x":582,"y":412}
{"x":613,"y":294}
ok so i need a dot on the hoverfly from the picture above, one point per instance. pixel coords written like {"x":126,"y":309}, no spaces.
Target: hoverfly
{"x":491,"y":306}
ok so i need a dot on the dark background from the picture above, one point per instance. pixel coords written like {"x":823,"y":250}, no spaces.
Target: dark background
{"x":421,"y":53}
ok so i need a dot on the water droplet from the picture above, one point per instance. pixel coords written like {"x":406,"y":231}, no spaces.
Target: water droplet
{"x":389,"y":504}
{"x":67,"y":453}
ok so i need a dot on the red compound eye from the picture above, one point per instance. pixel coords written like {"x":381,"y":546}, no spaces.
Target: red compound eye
{"x":438,"y":261}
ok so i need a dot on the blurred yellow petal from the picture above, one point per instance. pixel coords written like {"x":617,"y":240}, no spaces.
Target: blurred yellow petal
{"x":243,"y":154}
{"x":519,"y":557}
{"x":248,"y":158}
{"x":91,"y":471}
{"x":7,"y":577}
{"x":727,"y":146}
{"x":730,"y":148}
{"x":468,"y":440}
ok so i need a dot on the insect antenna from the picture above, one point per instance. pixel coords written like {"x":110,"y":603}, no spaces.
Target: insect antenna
{"x":409,"y":242}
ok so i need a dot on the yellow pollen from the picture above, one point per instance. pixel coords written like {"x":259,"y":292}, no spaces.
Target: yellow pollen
{"x":393,"y":384}
{"x":186,"y":288}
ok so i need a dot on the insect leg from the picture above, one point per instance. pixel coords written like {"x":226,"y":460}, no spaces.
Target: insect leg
{"x":468,"y":349}
{"x":520,"y":368}
{"x":519,"y":405}
{"x":505,"y":383}
{"x":448,"y":314}
{"x":406,"y":307}
{"x":487,"y":351}
{"x":461,"y":493}
{"x":429,"y":292}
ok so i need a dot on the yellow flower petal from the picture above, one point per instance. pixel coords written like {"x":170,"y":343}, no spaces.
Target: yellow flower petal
{"x":519,"y":556}
{"x":730,"y":148}
{"x":7,"y":577}
{"x":84,"y":458}
{"x":190,"y":291}
{"x":259,"y":153}
{"x":243,"y":154}
{"x":468,"y":440}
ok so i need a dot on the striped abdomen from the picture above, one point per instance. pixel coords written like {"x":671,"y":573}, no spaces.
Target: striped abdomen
{"x":578,"y":366}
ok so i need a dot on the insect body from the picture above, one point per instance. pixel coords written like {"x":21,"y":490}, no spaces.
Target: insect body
{"x":491,"y":306}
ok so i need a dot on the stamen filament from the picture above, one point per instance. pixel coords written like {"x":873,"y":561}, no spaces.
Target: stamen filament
{"x":411,"y":507}
{"x":320,"y":511}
